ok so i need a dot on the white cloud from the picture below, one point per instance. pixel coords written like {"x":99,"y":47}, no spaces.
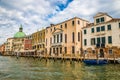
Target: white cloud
{"x":35,"y":14}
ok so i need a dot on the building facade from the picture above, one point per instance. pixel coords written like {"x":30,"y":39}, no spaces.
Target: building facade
{"x":9,"y":46}
{"x":65,"y":37}
{"x":28,"y":42}
{"x":104,"y":32}
{"x":38,"y":40}
{"x":18,"y":41}
{"x":2,"y":49}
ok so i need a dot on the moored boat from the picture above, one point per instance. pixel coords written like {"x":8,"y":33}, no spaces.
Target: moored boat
{"x":95,"y":62}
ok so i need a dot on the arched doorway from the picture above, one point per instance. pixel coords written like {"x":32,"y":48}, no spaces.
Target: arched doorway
{"x":101,"y":53}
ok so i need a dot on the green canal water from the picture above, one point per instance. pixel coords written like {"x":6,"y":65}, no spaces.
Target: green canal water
{"x":12,"y":68}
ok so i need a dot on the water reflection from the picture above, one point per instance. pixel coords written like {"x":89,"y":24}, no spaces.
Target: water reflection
{"x":34,"y":69}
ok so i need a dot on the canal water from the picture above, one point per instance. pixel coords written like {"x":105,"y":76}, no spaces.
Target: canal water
{"x":12,"y":68}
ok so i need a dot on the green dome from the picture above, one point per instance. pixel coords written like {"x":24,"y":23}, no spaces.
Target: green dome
{"x":19,"y":35}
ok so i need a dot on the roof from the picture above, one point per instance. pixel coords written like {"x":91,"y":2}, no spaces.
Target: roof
{"x":66,"y":21}
{"x":92,"y":24}
{"x":19,"y":35}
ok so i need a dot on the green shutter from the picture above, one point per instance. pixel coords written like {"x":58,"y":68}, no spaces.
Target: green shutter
{"x":109,"y":27}
{"x":109,"y":39}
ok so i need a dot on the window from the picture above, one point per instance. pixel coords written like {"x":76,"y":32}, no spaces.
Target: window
{"x":60,"y":50}
{"x":57,"y":38}
{"x":85,"y":32}
{"x":65,"y":49}
{"x":61,"y":37}
{"x":119,"y":25}
{"x":98,"y":40}
{"x":73,"y":23}
{"x":51,"y":29}
{"x":65,"y":38}
{"x":102,"y":28}
{"x":78,"y":36}
{"x":109,"y":27}
{"x":65,"y":25}
{"x":92,"y":30}
{"x":97,"y":21}
{"x":103,"y":40}
{"x":85,"y":42}
{"x":109,"y":39}
{"x":102,"y":19}
{"x":73,"y":37}
{"x":60,"y":26}
{"x":53,"y":50}
{"x":92,"y":41}
{"x":78,"y":22}
{"x":73,"y":49}
{"x":54,"y":38}
{"x":98,"y":29}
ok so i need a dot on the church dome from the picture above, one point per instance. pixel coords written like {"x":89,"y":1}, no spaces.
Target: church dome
{"x":20,"y":34}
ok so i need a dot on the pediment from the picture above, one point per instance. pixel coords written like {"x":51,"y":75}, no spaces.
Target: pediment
{"x":57,"y":30}
{"x":100,"y":14}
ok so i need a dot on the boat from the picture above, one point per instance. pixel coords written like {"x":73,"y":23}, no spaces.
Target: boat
{"x":95,"y":62}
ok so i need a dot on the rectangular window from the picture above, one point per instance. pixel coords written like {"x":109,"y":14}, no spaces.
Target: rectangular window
{"x":78,"y":36}
{"x":92,"y":30}
{"x":85,"y":42}
{"x":65,"y":25}
{"x":97,"y":20}
{"x":78,"y":22}
{"x":57,"y":38}
{"x":65,"y":49}
{"x":53,"y":50}
{"x":54,"y":38}
{"x":109,"y":39}
{"x":60,"y":26}
{"x":102,"y":19}
{"x":98,"y":40}
{"x":60,"y":50}
{"x":61,"y":37}
{"x":73,"y":37}
{"x":98,"y":29}
{"x":92,"y":41}
{"x":103,"y":40}
{"x":102,"y":28}
{"x":73,"y":49}
{"x":72,"y":23}
{"x":65,"y":38}
{"x":109,"y":27}
{"x":85,"y":32}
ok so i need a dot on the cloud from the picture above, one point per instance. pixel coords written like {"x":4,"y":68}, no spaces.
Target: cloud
{"x":36,"y":14}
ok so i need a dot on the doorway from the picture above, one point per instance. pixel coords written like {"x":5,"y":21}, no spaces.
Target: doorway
{"x":101,"y":53}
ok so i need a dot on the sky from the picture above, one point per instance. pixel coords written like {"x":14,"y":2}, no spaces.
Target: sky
{"x":35,"y":15}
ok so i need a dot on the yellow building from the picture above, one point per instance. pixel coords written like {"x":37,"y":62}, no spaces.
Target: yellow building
{"x":38,"y":40}
{"x":65,"y":37}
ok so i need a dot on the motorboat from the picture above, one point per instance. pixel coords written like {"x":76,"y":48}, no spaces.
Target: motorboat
{"x":95,"y":62}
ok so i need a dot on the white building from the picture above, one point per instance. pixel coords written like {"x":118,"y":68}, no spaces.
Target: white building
{"x":105,"y":31}
{"x":9,"y":46}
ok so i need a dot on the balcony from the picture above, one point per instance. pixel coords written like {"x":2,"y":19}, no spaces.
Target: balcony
{"x":57,"y":44}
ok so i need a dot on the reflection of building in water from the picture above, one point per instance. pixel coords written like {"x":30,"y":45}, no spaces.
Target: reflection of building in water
{"x":65,"y":37}
{"x":104,"y":32}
